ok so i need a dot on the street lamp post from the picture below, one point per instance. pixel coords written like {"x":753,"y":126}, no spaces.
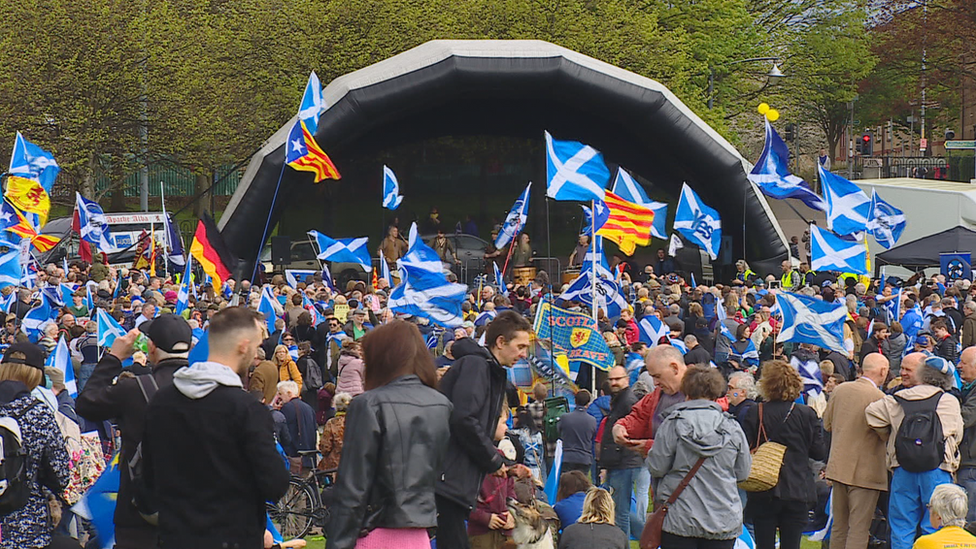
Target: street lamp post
{"x":773,"y":75}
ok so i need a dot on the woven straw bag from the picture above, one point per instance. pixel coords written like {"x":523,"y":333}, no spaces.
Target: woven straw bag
{"x":767,"y":460}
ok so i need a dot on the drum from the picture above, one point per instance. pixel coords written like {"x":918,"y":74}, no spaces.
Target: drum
{"x":569,"y":275}
{"x":523,"y":275}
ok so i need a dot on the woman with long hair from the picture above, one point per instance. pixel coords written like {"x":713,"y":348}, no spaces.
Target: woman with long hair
{"x":785,"y":507}
{"x":595,"y":529}
{"x":287,"y":369}
{"x":392,"y":460}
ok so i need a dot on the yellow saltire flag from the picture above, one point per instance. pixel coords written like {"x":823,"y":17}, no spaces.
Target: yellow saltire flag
{"x":28,"y":196}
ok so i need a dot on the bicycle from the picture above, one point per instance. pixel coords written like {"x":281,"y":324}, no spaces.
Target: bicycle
{"x":304,"y":503}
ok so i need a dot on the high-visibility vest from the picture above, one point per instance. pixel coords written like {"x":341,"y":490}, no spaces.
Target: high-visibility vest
{"x":786,"y":281}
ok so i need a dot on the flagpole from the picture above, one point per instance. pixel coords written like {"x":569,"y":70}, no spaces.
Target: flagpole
{"x":594,"y":259}
{"x":274,"y":198}
{"x":162,"y":205}
{"x":552,"y":354}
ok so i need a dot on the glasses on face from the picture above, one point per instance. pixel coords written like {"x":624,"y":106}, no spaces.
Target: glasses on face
{"x":288,"y":340}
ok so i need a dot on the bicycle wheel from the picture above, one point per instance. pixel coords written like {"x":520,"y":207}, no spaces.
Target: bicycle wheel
{"x":293,"y":513}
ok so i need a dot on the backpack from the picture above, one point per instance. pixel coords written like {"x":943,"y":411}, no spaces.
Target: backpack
{"x":15,"y":487}
{"x":313,"y":375}
{"x":141,"y":495}
{"x":920,"y":443}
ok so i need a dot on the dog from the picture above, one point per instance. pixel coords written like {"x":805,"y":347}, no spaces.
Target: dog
{"x":531,"y":530}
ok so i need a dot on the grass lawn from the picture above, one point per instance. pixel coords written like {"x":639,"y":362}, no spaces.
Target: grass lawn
{"x":318,"y":542}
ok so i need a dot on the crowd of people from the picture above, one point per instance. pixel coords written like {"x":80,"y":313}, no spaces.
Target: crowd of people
{"x":427,"y":437}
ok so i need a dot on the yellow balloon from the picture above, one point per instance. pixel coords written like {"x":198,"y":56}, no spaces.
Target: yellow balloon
{"x":763,"y":108}
{"x":772,"y":115}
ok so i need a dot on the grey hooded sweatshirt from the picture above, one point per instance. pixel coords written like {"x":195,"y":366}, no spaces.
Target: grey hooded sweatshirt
{"x":200,"y":380}
{"x":709,"y":507}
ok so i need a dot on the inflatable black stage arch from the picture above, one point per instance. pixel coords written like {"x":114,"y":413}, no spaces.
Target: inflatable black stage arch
{"x":520,"y":88}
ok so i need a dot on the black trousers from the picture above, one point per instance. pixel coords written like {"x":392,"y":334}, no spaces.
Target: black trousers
{"x":671,"y":541}
{"x":451,"y":530}
{"x":789,"y":517}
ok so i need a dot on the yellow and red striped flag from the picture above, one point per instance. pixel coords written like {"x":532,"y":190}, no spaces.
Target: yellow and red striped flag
{"x":629,"y":224}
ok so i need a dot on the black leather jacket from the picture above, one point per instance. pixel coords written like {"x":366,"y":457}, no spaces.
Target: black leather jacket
{"x":389,"y":467}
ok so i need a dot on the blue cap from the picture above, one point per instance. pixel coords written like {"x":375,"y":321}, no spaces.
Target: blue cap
{"x":940,"y":364}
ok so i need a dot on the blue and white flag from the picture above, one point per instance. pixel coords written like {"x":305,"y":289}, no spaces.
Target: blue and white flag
{"x":183,"y":295}
{"x":343,"y":250}
{"x":627,"y":188}
{"x":425,"y":290}
{"x":312,"y":104}
{"x":431,"y":341}
{"x":652,"y":329}
{"x":8,"y":304}
{"x":575,"y":171}
{"x":61,"y":359}
{"x":810,"y":320}
{"x":11,"y":271}
{"x":598,"y":257}
{"x":269,"y":307}
{"x":772,"y":173}
{"x":327,"y":278}
{"x":590,"y":225}
{"x":893,"y":307}
{"x":309,"y":306}
{"x":98,"y":503}
{"x":698,"y":223}
{"x":89,"y":300}
{"x":515,"y":219}
{"x":108,"y":329}
{"x":552,"y":480}
{"x":599,"y":293}
{"x":30,"y":161}
{"x":391,"y":190}
{"x":37,"y":318}
{"x":8,"y":218}
{"x":499,"y":280}
{"x":385,"y":269}
{"x":294,"y":276}
{"x":174,"y":241}
{"x":679,"y":345}
{"x":885,"y":222}
{"x":93,"y":224}
{"x":832,"y":253}
{"x":67,"y":292}
{"x":848,"y":208}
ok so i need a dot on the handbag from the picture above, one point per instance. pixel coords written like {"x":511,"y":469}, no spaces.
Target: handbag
{"x":651,"y":536}
{"x":767,"y":460}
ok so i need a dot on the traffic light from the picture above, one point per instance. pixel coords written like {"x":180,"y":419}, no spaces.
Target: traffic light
{"x":790,"y":132}
{"x":867,"y":144}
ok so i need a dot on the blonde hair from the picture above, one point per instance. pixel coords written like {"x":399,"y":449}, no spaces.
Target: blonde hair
{"x":28,"y":375}
{"x":274,"y":357}
{"x":598,"y":507}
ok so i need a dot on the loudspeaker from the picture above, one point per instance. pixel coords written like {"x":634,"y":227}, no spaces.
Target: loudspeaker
{"x":280,"y":250}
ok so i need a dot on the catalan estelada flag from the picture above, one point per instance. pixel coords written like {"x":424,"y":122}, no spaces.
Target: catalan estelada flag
{"x":304,"y":154}
{"x":209,"y":249}
{"x":629,"y":225}
{"x":24,"y":229}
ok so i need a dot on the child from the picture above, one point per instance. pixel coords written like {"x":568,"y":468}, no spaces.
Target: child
{"x":490,"y":523}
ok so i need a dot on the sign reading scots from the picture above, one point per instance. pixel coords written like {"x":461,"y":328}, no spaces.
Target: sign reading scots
{"x":573,"y":334}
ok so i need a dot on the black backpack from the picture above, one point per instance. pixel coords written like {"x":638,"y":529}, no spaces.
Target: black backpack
{"x":15,"y":487}
{"x":141,"y":495}
{"x":920,"y":443}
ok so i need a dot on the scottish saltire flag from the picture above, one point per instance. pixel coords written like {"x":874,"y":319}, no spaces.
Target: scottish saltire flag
{"x":627,"y":188}
{"x":600,"y":293}
{"x":596,"y":259}
{"x":679,"y":345}
{"x":391,"y":190}
{"x":38,"y":317}
{"x":810,"y":373}
{"x":174,"y":241}
{"x":552,"y":480}
{"x":749,"y":355}
{"x":343,"y":250}
{"x":602,"y":215}
{"x":575,"y":171}
{"x":698,"y":223}
{"x":61,"y":359}
{"x":93,"y":224}
{"x":848,"y":208}
{"x":98,"y":503}
{"x":312,"y":104}
{"x":745,"y":541}
{"x":832,"y":253}
{"x":302,"y":152}
{"x":893,"y":307}
{"x":573,"y":334}
{"x":772,"y":173}
{"x":89,"y":300}
{"x":327,"y":278}
{"x":385,"y":269}
{"x":108,"y":328}
{"x":499,"y":280}
{"x":484,"y":317}
{"x":674,"y":244}
{"x":515,"y":219}
{"x":294,"y":276}
{"x":30,"y":161}
{"x":425,"y":290}
{"x":11,"y":271}
{"x":53,"y":296}
{"x":810,"y":320}
{"x":268,"y":306}
{"x":652,"y":330}
{"x":8,"y":303}
{"x":67,"y":292}
{"x":183,"y":296}
{"x":885,"y":222}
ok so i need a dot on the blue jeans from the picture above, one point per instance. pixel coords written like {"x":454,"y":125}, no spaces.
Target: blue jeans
{"x":84,"y":372}
{"x":621,"y":481}
{"x":967,"y":479}
{"x":909,"y":496}
{"x":642,"y":485}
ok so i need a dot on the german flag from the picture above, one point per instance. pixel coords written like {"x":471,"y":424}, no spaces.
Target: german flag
{"x":209,"y":249}
{"x":629,"y":225}
{"x":304,"y":154}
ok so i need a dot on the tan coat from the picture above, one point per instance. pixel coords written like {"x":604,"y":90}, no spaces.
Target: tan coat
{"x":857,"y":455}
{"x":265,"y":378}
{"x":885,"y":416}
